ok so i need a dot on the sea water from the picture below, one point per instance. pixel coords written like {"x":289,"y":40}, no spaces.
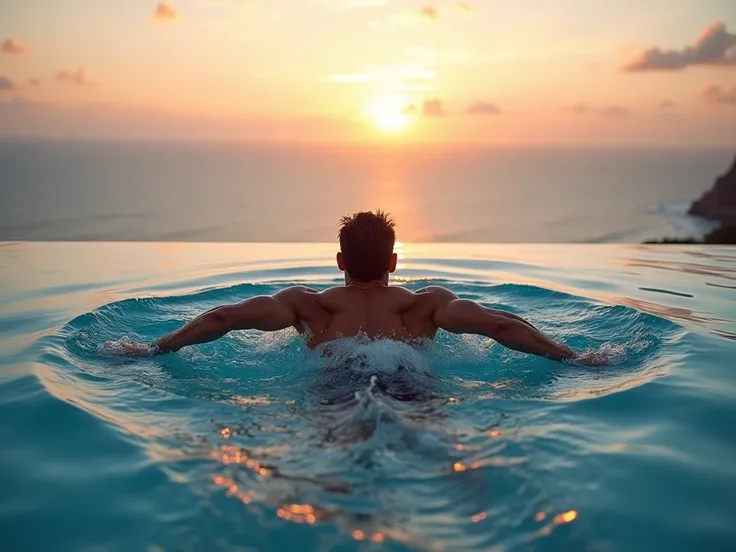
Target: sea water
{"x":253,"y":442}
{"x":66,"y":191}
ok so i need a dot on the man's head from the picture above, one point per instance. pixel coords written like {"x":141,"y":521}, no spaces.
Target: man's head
{"x":367,"y":246}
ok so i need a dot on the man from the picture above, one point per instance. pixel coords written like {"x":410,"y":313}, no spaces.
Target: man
{"x":366,"y":305}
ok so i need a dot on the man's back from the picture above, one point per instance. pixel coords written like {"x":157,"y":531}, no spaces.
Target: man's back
{"x":374,"y":311}
{"x":366,"y":305}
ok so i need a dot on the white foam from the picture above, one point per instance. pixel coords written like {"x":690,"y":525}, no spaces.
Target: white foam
{"x":683,"y":224}
{"x":672,"y":209}
{"x":377,"y":356}
{"x":125,"y":347}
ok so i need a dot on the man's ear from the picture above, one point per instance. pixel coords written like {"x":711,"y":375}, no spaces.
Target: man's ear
{"x":393,"y":263}
{"x":340,"y":261}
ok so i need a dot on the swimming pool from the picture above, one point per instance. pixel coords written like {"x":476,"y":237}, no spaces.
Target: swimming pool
{"x":251,"y":443}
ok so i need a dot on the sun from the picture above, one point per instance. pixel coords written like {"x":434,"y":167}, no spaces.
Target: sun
{"x":390,"y":121}
{"x":388,"y":117}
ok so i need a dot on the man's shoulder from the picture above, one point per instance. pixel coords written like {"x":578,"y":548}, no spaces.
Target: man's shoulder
{"x":429,"y":291}
{"x":435,"y":292}
{"x":295,"y":293}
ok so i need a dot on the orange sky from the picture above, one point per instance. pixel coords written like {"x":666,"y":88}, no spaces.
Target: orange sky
{"x":483,"y":71}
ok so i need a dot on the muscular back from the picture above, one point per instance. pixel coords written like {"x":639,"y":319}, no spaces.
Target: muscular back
{"x":375,"y":310}
{"x":392,"y":312}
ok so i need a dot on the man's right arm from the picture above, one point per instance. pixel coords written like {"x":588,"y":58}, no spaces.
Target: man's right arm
{"x":266,"y":313}
{"x":464,"y":316}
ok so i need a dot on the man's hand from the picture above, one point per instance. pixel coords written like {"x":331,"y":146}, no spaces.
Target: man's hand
{"x":127,"y":348}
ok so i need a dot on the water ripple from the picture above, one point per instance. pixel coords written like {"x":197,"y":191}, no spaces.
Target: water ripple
{"x":254,"y":442}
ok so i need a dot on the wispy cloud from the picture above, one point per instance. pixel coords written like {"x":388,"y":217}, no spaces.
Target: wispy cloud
{"x":614,"y":111}
{"x":415,"y":74}
{"x":665,"y":105}
{"x":165,"y":12}
{"x":429,"y":12}
{"x":578,"y":108}
{"x":715,"y":46}
{"x":429,"y":108}
{"x":483,"y":108}
{"x":80,"y":77}
{"x":350,"y":78}
{"x":6,"y":84}
{"x":34,"y":82}
{"x":354,"y":4}
{"x":14,"y":47}
{"x":719,"y":95}
{"x":433,"y":108}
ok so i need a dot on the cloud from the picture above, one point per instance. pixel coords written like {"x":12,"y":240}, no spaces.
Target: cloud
{"x":429,"y":12}
{"x":14,"y":47}
{"x":483,"y":108}
{"x":615,"y":111}
{"x":664,"y":105}
{"x":578,"y":108}
{"x":350,"y":78}
{"x":429,"y":108}
{"x":80,"y":77}
{"x":433,"y":108}
{"x":718,"y":95}
{"x":34,"y":82}
{"x":354,"y":4}
{"x":715,"y":46}
{"x":6,"y":84}
{"x":165,"y":12}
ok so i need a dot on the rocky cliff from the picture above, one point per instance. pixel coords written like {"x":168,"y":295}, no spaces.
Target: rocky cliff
{"x":719,"y":203}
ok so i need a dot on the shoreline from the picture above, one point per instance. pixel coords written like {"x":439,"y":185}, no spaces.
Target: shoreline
{"x":718,"y":205}
{"x":723,"y":235}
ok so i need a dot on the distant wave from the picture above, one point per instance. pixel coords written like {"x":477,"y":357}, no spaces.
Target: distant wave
{"x":682,"y":224}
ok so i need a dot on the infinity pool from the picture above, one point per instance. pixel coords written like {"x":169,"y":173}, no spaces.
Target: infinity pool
{"x":254,"y":443}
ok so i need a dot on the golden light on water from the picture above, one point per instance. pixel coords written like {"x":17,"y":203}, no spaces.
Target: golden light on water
{"x":361,"y":535}
{"x":378,"y":537}
{"x":232,"y":488}
{"x":459,"y":467}
{"x":479,"y":517}
{"x":566,"y":517}
{"x":230,"y":454}
{"x":298,"y":513}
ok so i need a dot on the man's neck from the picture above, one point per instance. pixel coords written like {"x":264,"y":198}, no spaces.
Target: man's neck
{"x":373,"y":284}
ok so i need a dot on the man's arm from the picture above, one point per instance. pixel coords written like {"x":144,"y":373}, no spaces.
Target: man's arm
{"x":266,"y":313}
{"x":463,"y":316}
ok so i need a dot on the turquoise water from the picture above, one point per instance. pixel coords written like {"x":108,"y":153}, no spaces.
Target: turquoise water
{"x":252,"y":443}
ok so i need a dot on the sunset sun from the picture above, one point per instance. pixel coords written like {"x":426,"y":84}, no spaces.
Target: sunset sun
{"x":388,"y":117}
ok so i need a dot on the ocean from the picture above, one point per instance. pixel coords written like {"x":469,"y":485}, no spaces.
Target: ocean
{"x":105,"y":191}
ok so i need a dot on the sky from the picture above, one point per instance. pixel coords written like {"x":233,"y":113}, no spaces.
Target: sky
{"x":568,"y":72}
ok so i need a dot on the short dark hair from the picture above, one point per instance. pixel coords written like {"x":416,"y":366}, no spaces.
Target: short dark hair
{"x":367,"y":243}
